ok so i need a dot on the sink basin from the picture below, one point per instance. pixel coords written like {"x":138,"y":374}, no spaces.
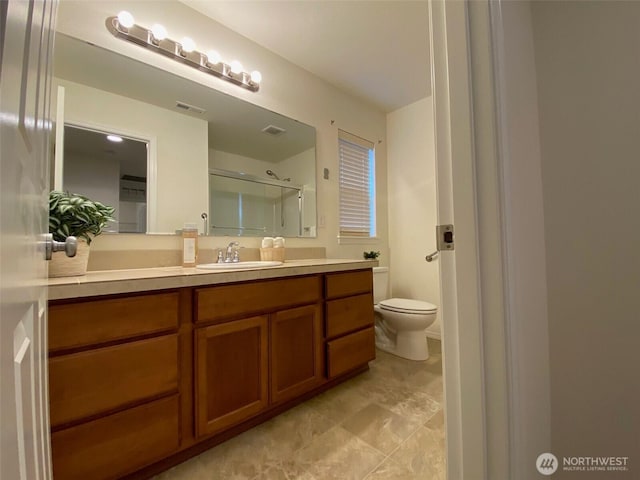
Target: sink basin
{"x":225,"y":266}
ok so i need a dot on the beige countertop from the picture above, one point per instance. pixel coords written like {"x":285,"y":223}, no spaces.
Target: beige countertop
{"x":108,"y":282}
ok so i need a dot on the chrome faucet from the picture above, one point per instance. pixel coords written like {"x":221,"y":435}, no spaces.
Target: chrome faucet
{"x":232,"y":255}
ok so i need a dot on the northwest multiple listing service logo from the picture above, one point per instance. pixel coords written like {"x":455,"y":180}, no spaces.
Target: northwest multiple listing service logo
{"x":548,"y":463}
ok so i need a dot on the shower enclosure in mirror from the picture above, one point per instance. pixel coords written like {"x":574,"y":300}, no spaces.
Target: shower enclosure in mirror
{"x":189,"y":128}
{"x":244,"y":204}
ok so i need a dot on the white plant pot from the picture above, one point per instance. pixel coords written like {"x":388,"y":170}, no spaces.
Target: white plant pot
{"x":63,"y":266}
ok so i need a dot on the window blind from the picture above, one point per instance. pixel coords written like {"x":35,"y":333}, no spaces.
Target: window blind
{"x":357,"y":196}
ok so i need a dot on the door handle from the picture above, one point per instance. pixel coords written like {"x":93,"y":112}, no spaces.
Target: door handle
{"x":69,"y":246}
{"x":432,"y":257}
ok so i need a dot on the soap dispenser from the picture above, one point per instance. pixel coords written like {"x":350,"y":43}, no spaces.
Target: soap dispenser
{"x":189,"y":245}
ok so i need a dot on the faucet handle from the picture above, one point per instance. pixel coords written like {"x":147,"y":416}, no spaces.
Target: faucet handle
{"x":220,"y":256}
{"x":236,"y":256}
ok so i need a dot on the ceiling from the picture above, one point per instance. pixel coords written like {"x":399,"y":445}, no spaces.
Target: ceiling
{"x":375,"y":50}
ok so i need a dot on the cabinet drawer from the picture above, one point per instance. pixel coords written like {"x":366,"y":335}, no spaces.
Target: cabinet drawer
{"x":349,"y":283}
{"x":351,"y":351}
{"x":113,"y":446}
{"x":98,"y":321}
{"x":349,"y":314}
{"x":225,"y":301}
{"x":97,"y":381}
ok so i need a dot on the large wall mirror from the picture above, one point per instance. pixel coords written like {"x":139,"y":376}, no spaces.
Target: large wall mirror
{"x":250,"y":170}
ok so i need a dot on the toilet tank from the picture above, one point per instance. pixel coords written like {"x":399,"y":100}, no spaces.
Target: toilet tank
{"x":380,"y":284}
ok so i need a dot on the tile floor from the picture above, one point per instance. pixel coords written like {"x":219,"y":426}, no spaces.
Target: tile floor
{"x":385,"y":424}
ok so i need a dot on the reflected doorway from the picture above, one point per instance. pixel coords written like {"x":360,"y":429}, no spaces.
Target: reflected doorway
{"x":110,"y":169}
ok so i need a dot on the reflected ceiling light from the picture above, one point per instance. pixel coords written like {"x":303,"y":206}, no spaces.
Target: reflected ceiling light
{"x":114,"y":138}
{"x":124,"y":27}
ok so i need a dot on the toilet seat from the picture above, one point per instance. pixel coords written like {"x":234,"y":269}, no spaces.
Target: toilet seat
{"x":405,"y":305}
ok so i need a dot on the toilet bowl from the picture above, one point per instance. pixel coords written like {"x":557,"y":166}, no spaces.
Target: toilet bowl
{"x":400,"y":322}
{"x":400,"y":327}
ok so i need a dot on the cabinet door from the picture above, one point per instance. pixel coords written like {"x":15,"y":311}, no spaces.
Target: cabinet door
{"x":296,"y":351}
{"x":231,"y":373}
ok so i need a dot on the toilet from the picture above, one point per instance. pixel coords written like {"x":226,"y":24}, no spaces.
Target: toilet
{"x":400,"y":322}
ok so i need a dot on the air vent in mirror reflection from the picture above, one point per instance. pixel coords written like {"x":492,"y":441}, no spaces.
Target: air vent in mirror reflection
{"x":273,"y":130}
{"x":190,"y":108}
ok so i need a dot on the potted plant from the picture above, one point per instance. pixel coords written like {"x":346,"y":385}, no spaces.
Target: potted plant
{"x":75,"y":215}
{"x":371,"y":255}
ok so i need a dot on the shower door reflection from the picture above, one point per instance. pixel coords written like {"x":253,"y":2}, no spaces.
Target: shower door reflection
{"x":244,"y":205}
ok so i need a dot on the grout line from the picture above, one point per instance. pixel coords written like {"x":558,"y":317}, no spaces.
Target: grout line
{"x":386,"y":457}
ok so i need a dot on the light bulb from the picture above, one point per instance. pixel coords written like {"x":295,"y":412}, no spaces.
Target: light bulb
{"x":236,"y":66}
{"x":256,"y":76}
{"x":188,"y":45}
{"x":126,"y":19}
{"x":159,"y":32}
{"x":213,"y":57}
{"x":114,"y":138}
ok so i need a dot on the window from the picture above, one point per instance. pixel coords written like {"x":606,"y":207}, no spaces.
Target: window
{"x":357,"y":186}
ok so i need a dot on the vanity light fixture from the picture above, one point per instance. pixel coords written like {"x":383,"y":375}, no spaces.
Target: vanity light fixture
{"x":188,"y":45}
{"x":125,"y":19}
{"x":155,"y":38}
{"x":158,"y":33}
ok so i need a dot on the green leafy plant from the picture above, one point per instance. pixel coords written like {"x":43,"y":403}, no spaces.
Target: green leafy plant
{"x":370,"y":255}
{"x":75,"y":215}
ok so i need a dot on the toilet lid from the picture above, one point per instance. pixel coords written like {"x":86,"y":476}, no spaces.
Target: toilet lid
{"x":405,"y":305}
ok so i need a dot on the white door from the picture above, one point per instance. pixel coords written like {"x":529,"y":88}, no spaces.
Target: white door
{"x":459,"y":269}
{"x":25,"y":85}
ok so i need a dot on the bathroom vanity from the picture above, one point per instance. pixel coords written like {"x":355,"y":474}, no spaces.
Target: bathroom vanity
{"x":149,"y":367}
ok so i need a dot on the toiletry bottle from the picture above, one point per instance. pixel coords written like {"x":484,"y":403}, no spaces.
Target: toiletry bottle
{"x":189,"y":245}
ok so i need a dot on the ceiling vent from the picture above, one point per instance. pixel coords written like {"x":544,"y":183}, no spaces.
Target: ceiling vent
{"x":273,"y":130}
{"x":134,"y":178}
{"x":190,"y":108}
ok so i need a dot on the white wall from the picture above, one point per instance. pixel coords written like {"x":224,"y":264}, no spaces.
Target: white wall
{"x":180,"y":144}
{"x":286,"y":89}
{"x":300,"y":167}
{"x":239,"y":163}
{"x":588,"y":76}
{"x":412,"y":203}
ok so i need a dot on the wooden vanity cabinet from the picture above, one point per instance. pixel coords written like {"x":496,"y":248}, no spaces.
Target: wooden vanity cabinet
{"x":139,"y":382}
